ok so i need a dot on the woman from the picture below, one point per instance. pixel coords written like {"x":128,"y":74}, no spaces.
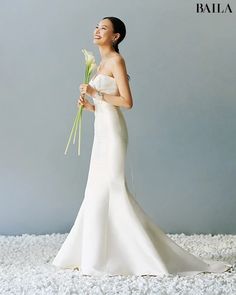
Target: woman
{"x":112,"y":234}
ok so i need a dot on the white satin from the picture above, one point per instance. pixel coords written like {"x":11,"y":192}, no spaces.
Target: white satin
{"x":112,"y":234}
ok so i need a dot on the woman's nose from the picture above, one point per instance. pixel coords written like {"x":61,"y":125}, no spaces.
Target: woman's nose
{"x":97,"y":30}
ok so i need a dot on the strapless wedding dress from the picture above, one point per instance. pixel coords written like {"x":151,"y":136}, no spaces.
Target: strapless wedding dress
{"x":112,"y":234}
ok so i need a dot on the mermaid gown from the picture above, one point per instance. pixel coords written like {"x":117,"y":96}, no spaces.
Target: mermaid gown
{"x":112,"y":234}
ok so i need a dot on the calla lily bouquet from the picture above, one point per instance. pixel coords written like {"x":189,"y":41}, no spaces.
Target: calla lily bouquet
{"x":90,"y":65}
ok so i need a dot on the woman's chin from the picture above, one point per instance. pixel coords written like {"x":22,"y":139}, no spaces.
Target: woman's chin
{"x":97,"y":42}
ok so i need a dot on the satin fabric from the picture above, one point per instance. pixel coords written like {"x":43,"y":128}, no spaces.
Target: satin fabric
{"x":112,"y":234}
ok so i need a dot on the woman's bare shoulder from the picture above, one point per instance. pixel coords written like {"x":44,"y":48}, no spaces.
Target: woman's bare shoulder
{"x":117,"y":60}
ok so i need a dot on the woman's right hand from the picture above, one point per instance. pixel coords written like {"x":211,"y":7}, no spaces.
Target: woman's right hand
{"x":86,"y":104}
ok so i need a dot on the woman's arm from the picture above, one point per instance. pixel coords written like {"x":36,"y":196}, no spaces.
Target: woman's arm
{"x":120,"y":74}
{"x":93,"y":108}
{"x":86,"y":104}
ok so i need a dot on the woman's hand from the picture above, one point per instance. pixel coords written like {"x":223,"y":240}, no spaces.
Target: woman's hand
{"x":87,"y":89}
{"x":86,"y":104}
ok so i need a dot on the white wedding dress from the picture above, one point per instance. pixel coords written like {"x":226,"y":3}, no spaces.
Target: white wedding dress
{"x":112,"y":234}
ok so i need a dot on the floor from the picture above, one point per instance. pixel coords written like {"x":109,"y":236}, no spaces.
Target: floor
{"x":25,"y":268}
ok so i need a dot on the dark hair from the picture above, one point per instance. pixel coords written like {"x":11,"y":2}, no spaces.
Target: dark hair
{"x":118,"y":27}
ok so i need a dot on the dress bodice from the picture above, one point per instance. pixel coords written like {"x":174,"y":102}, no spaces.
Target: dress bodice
{"x":109,"y":119}
{"x":104,"y":83}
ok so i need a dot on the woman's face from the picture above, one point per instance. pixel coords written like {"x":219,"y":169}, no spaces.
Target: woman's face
{"x":103,"y":33}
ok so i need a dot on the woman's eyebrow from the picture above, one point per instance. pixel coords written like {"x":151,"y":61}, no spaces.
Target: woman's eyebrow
{"x":103,"y":25}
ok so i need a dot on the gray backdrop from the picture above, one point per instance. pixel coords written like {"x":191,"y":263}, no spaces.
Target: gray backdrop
{"x":182,"y":146}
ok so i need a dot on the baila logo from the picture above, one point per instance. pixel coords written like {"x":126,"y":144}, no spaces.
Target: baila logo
{"x":213,"y":8}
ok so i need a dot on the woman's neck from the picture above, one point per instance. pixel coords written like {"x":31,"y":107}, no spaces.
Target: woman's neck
{"x":105,"y":52}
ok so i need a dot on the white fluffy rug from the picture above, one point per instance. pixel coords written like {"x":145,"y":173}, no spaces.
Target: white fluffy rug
{"x":25,"y":268}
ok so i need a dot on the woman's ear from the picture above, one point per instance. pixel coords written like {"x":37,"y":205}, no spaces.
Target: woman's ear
{"x":117,"y":36}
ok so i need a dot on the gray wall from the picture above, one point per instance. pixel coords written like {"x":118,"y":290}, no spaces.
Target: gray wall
{"x":181,"y":129}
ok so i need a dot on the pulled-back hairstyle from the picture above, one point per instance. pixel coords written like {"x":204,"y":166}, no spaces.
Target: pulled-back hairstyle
{"x":118,"y":27}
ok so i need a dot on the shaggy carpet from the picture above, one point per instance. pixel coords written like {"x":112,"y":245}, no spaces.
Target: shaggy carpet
{"x":25,"y":268}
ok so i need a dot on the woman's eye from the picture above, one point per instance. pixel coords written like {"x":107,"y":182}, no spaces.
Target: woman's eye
{"x":101,"y":28}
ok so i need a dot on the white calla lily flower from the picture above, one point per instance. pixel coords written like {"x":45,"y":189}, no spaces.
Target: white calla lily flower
{"x":90,"y":65}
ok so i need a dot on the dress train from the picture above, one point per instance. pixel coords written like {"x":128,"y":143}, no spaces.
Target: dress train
{"x":112,"y":234}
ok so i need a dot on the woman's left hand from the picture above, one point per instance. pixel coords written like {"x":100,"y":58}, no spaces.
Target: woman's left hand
{"x":86,"y":89}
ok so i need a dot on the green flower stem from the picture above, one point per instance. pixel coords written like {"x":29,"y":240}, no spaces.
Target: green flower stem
{"x":72,"y":130}
{"x":80,"y":124}
{"x":90,"y":66}
{"x":76,"y":125}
